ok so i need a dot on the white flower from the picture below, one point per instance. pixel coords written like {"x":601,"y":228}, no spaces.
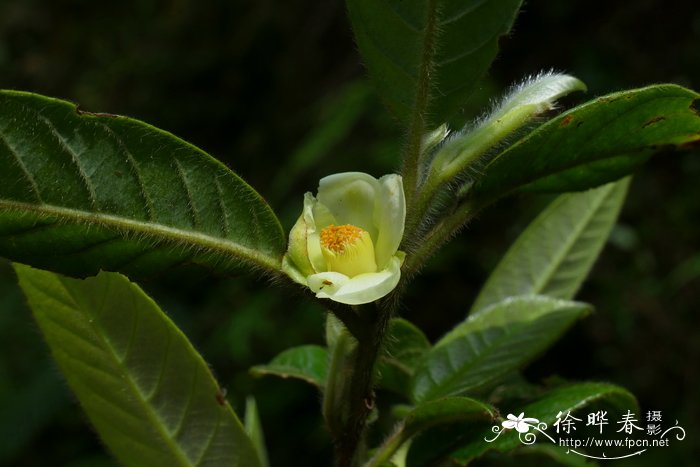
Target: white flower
{"x":519,"y":423}
{"x":345,"y":244}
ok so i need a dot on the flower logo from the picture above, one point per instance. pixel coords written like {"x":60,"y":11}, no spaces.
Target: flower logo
{"x":520,"y":423}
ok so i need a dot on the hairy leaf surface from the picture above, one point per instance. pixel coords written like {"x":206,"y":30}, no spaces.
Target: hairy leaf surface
{"x":81,"y":192}
{"x":149,"y":394}
{"x":555,"y":253}
{"x":596,"y":143}
{"x":425,"y":56}
{"x":489,"y":345}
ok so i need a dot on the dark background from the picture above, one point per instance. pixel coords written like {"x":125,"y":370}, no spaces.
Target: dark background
{"x":276,"y":90}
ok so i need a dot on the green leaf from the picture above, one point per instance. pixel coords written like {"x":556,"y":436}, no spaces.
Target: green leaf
{"x":149,"y":394}
{"x":425,"y":56}
{"x":405,"y":345}
{"x":253,"y":426}
{"x":596,"y":143}
{"x":489,"y":345}
{"x":307,"y":362}
{"x":446,"y":411}
{"x":555,"y":253}
{"x":523,"y":103}
{"x":80,"y":192}
{"x":565,"y":399}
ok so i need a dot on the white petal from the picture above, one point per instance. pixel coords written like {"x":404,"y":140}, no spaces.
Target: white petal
{"x":390,"y":217}
{"x":509,"y":424}
{"x":363,"y":288}
{"x":350,"y":197}
{"x":324,"y":284}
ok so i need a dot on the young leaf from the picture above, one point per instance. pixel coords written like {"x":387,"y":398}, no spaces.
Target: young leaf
{"x":307,"y":362}
{"x":489,"y":345}
{"x":405,"y":345}
{"x":523,"y":103}
{"x":445,"y":411}
{"x":149,"y":394}
{"x":596,"y":143}
{"x":565,"y":399}
{"x":80,"y":192}
{"x":425,"y":56}
{"x":555,"y":253}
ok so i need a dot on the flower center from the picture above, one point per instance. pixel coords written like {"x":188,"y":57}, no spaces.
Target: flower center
{"x":348,"y":250}
{"x":337,"y":237}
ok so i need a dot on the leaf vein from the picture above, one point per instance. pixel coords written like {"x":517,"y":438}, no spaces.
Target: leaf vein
{"x":158,"y":232}
{"x":63,"y":143}
{"x":210,"y":440}
{"x":372,"y":41}
{"x":188,"y":406}
{"x":163,"y":366}
{"x":225,"y":226}
{"x":148,"y":203}
{"x":190,"y":200}
{"x":460,"y":14}
{"x":22,"y":166}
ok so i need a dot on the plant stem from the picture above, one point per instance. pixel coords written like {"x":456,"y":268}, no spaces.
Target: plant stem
{"x":417,"y":125}
{"x":349,"y":442}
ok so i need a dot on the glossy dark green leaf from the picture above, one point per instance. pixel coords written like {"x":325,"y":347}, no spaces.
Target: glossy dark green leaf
{"x":81,"y":192}
{"x":405,"y":345}
{"x":307,"y":362}
{"x":565,"y":399}
{"x":441,"y":412}
{"x":149,"y":394}
{"x":555,"y":253}
{"x":493,"y":343}
{"x":596,"y":143}
{"x":425,"y":56}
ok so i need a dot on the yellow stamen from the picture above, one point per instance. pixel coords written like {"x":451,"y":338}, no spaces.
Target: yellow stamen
{"x":337,"y":237}
{"x":348,"y":250}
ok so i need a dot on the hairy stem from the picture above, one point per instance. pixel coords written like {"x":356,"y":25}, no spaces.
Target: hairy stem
{"x":411,"y":164}
{"x":359,"y":384}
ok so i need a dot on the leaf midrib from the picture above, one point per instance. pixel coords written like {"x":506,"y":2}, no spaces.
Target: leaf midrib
{"x":111,"y":353}
{"x":160,"y":231}
{"x":566,"y":248}
{"x":495,"y":343}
